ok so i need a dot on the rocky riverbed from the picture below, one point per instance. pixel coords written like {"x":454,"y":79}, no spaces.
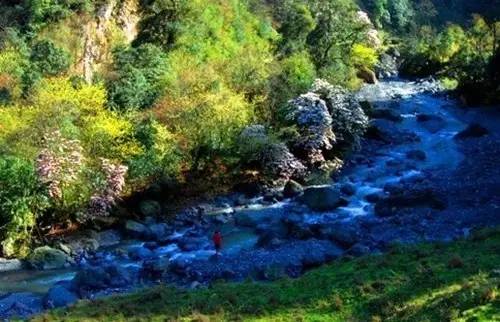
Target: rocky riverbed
{"x":426,"y":170}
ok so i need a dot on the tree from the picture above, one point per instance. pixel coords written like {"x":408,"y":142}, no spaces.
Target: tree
{"x":48,"y":59}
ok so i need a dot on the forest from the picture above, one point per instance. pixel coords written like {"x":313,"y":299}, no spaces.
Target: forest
{"x":116,"y":111}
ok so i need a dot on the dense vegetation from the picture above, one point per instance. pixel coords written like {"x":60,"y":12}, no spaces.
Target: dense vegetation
{"x":434,"y":282}
{"x":91,"y":112}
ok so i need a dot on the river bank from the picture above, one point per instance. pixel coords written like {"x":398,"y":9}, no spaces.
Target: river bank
{"x":414,"y":179}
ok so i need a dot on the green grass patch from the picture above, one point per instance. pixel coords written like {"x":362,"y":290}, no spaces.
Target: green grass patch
{"x":458,"y":281}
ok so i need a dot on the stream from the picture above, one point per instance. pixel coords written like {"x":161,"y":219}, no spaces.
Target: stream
{"x":424,"y":120}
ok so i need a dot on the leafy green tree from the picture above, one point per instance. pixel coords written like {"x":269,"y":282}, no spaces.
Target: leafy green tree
{"x":139,"y":77}
{"x":22,"y":199}
{"x":296,"y":22}
{"x":48,"y":59}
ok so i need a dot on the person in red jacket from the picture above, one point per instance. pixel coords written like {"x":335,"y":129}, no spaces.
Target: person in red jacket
{"x":217,"y":239}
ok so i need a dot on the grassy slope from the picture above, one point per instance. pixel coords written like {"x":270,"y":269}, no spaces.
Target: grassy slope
{"x":437,"y":282}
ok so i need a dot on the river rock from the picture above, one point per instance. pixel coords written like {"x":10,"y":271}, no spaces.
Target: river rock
{"x":367,"y":75}
{"x":135,"y":229}
{"x":155,"y":268}
{"x":158,"y":232}
{"x":98,"y":278}
{"x":474,"y":130}
{"x":321,"y":198}
{"x":10,"y":265}
{"x":387,"y":132}
{"x":348,"y":189}
{"x":252,"y":217}
{"x":345,"y":235}
{"x":292,"y":189}
{"x":59,"y":296}
{"x":140,"y":253}
{"x":387,"y":114}
{"x":149,"y":208}
{"x":417,"y":155}
{"x":409,"y":199}
{"x":189,"y":244}
{"x":432,"y":123}
{"x":108,"y":238}
{"x":48,"y":258}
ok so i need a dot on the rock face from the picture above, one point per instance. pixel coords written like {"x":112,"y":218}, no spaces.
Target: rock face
{"x":368,"y":76}
{"x":48,"y":258}
{"x":321,"y":198}
{"x":278,"y":161}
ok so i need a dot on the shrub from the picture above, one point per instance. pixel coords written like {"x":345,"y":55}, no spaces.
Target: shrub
{"x":49,"y":59}
{"x":139,"y":75}
{"x":22,"y":200}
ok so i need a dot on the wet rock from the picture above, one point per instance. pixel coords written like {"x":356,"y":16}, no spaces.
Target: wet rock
{"x":48,"y":258}
{"x":59,"y":296}
{"x":193,"y":243}
{"x":389,"y":206}
{"x":159,"y":232}
{"x":344,"y":234}
{"x":321,"y":198}
{"x":253,"y":217}
{"x":292,"y":189}
{"x":386,"y":113}
{"x":155,"y":268}
{"x":135,"y":229}
{"x":313,"y":259}
{"x":98,"y":278}
{"x":10,"y":265}
{"x":108,"y":238}
{"x":149,"y":208}
{"x":140,"y":253}
{"x":373,"y":197}
{"x":417,"y":155}
{"x":394,"y":188}
{"x":348,"y":189}
{"x":432,"y":123}
{"x":249,"y":189}
{"x":474,"y":130}
{"x":387,"y":132}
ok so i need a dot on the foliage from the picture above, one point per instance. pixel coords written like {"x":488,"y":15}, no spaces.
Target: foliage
{"x":410,"y":283}
{"x":22,"y":200}
{"x":49,"y":59}
{"x":139,"y":77}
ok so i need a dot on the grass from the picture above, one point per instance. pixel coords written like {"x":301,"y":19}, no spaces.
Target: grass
{"x":458,"y":281}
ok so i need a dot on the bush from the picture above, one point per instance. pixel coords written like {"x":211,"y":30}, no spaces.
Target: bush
{"x":139,"y":77}
{"x":22,"y":200}
{"x":48,"y":59}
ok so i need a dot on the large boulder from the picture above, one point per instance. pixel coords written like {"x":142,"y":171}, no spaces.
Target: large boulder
{"x":98,"y":278}
{"x":321,"y":198}
{"x":21,"y":305}
{"x":140,"y":253}
{"x":345,"y":235}
{"x":252,"y":217}
{"x":135,"y":229}
{"x":59,"y":296}
{"x":292,"y":189}
{"x":387,"y":132}
{"x":48,"y":258}
{"x":474,"y":130}
{"x":367,"y":75}
{"x":159,"y":232}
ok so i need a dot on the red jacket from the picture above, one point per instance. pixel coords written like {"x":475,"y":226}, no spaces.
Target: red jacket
{"x":217,"y":238}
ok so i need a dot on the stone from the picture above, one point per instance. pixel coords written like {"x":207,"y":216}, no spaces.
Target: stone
{"x":98,"y":278}
{"x":45,"y":258}
{"x":59,"y":296}
{"x":387,"y":114}
{"x":367,"y":75}
{"x":156,"y":267}
{"x":292,"y":189}
{"x":10,"y":265}
{"x":373,"y":197}
{"x":140,"y":253}
{"x":108,"y":238}
{"x":409,"y":199}
{"x":359,"y":249}
{"x":344,"y":234}
{"x":158,"y":232}
{"x":253,"y":217}
{"x":149,"y":208}
{"x":432,"y":123}
{"x":474,"y":130}
{"x":321,"y":198}
{"x":189,"y":244}
{"x":135,"y":229}
{"x":348,"y":189}
{"x":21,"y":305}
{"x":417,"y":155}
